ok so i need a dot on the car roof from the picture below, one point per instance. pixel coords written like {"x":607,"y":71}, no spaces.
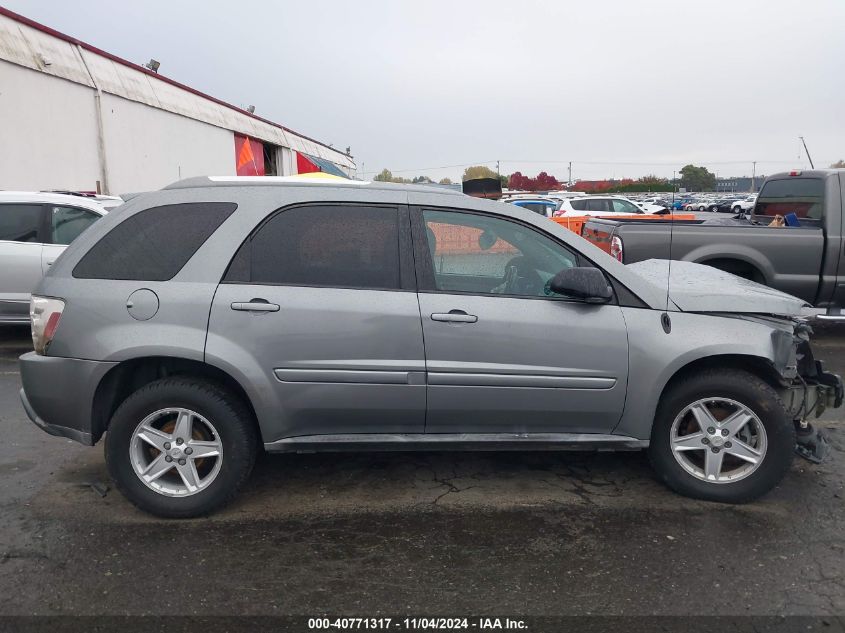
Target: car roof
{"x":304,"y":180}
{"x":51,"y":198}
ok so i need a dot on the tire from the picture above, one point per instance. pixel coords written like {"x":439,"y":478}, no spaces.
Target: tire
{"x":220,"y":422}
{"x":724,"y":385}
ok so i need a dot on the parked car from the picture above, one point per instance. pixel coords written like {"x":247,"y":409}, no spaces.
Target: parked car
{"x":697,"y":204}
{"x":375,"y":316}
{"x":803,"y":261}
{"x":107,"y":202}
{"x":34,"y":230}
{"x":541,"y":206}
{"x":654,"y":205}
{"x":746,"y":204}
{"x":722,"y":205}
{"x":597,"y":205}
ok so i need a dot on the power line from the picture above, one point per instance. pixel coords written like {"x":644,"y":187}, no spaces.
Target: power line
{"x":584,"y":162}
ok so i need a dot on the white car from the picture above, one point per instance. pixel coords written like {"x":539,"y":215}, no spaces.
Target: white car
{"x":597,"y":205}
{"x":746,"y":204}
{"x":34,"y":230}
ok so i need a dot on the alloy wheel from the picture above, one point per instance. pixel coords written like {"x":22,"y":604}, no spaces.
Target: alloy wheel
{"x":718,"y":440}
{"x":176,"y":452}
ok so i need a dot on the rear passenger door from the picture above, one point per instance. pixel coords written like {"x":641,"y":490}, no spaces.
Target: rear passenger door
{"x":320,"y":304}
{"x":21,"y":237}
{"x":598,"y":206}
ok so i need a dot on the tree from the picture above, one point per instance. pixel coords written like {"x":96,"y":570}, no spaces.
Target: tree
{"x":840,"y":164}
{"x":387,"y":176}
{"x":697,"y":178}
{"x":479,"y":171}
{"x":384,"y":176}
{"x":542,"y":182}
{"x":421,"y":179}
{"x":445,"y":181}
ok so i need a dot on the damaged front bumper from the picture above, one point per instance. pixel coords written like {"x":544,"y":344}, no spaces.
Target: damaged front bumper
{"x":809,"y":391}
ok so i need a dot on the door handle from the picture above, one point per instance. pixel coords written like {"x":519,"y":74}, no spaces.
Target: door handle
{"x":454,"y":316}
{"x":255,"y":305}
{"x":50,"y":262}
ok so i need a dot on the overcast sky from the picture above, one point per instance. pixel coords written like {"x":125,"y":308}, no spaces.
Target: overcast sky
{"x":619,"y":87}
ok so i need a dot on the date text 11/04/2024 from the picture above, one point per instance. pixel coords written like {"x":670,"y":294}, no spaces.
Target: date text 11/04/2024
{"x":423,"y":623}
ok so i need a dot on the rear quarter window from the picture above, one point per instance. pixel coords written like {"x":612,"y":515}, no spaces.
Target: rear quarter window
{"x":154,"y":244}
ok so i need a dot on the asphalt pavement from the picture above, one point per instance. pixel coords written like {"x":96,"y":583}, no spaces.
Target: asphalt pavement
{"x":367,"y":534}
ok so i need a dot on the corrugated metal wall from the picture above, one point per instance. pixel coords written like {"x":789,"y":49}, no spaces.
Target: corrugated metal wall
{"x":153,"y":131}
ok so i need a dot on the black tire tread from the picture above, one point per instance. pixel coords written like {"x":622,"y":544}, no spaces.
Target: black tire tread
{"x":211,"y":392}
{"x":717,"y":492}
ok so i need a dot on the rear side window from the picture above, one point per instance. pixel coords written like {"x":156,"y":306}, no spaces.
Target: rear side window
{"x":20,"y":222}
{"x":336,"y":246}
{"x":598,"y":205}
{"x":579,"y":205}
{"x":154,"y":244}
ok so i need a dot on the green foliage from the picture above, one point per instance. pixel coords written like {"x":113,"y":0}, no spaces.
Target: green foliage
{"x":697,"y":178}
{"x":642,"y":187}
{"x":479,"y":171}
{"x":387,"y":176}
{"x":445,"y":181}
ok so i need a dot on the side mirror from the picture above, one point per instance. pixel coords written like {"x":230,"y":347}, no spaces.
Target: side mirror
{"x":588,"y":284}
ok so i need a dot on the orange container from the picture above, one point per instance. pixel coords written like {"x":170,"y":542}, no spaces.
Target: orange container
{"x":575,"y":223}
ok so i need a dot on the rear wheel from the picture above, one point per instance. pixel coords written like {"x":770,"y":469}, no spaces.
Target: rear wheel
{"x":180,"y":447}
{"x":722,"y":435}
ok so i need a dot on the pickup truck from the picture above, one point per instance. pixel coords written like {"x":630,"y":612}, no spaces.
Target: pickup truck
{"x":804,"y":259}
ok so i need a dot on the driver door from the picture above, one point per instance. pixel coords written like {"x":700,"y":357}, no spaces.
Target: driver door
{"x":503,"y":353}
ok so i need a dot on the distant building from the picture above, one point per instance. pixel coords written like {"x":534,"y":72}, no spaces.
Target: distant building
{"x":77,"y":118}
{"x":738,"y":184}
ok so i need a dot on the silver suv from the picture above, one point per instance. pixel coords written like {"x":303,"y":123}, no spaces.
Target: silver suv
{"x":200,"y":323}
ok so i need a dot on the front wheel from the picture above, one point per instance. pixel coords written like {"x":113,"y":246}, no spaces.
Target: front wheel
{"x":722,"y":435}
{"x":180,"y":447}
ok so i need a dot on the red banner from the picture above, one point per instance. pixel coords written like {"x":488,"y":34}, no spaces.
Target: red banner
{"x":249,"y":156}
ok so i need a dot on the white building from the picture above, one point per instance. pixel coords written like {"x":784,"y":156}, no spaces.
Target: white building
{"x":74,"y":117}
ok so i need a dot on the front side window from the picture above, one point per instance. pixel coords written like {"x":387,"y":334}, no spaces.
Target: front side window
{"x":20,"y":222}
{"x":336,"y":246}
{"x":486,"y":255}
{"x":68,"y":222}
{"x":623,"y":206}
{"x":579,"y":205}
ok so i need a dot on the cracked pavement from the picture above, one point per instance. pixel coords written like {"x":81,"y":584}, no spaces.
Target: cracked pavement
{"x":417,"y":533}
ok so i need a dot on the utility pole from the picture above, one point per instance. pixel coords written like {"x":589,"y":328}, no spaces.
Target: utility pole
{"x":753,"y":176}
{"x":807,"y":152}
{"x":570,"y":173}
{"x":497,"y":170}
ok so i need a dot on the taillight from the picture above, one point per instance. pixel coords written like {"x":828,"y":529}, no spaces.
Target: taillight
{"x":44,"y":316}
{"x":616,"y":247}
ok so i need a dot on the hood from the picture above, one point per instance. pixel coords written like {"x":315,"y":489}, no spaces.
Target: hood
{"x":700,"y":288}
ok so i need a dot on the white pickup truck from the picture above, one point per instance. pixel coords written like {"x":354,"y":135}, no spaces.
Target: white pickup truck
{"x":746,"y":204}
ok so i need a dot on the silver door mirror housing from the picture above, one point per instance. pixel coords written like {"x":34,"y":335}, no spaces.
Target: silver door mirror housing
{"x":585,"y":283}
